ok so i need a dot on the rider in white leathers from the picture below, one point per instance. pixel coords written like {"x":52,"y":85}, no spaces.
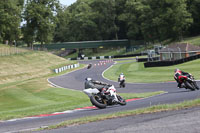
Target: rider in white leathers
{"x":90,"y":83}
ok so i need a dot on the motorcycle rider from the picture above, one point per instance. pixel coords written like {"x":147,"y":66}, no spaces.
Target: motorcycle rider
{"x":121,"y":78}
{"x":178,"y":75}
{"x":89,"y":66}
{"x":122,"y":75}
{"x":90,"y":83}
{"x":102,"y":87}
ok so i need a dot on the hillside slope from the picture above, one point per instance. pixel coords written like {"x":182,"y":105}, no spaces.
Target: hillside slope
{"x":28,"y":65}
{"x":24,"y":90}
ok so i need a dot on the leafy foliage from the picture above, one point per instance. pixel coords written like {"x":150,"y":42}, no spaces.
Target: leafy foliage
{"x":10,"y":19}
{"x":86,"y":20}
{"x":40,"y":17}
{"x":149,"y":20}
{"x":193,"y":8}
{"x":157,"y":19}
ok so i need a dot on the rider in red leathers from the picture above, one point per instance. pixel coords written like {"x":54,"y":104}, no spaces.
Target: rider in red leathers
{"x":178,"y":75}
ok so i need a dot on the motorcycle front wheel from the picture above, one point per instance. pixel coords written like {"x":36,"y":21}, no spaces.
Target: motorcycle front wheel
{"x":121,"y":100}
{"x":189,"y":85}
{"x":195,"y":85}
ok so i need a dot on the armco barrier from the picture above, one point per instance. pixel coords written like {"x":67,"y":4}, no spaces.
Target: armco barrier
{"x":94,"y":58}
{"x":91,"y":58}
{"x":142,"y":59}
{"x":67,"y":67}
{"x":146,"y":59}
{"x":170,"y":63}
{"x":107,"y":57}
{"x":130,"y":55}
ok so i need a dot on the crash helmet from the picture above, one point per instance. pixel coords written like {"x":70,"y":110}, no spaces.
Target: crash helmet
{"x":88,"y":79}
{"x":175,"y":70}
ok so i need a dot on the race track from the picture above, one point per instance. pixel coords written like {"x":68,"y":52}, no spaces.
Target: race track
{"x":75,"y":80}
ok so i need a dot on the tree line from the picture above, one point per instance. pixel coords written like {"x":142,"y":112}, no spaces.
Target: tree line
{"x":47,"y":21}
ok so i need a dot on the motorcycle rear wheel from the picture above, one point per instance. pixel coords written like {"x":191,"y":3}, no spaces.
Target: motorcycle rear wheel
{"x":98,"y":102}
{"x":122,"y":85}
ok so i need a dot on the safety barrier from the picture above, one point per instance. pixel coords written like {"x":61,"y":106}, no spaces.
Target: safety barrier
{"x":170,"y":63}
{"x":107,"y":57}
{"x":91,"y":58}
{"x":67,"y":67}
{"x":147,"y":59}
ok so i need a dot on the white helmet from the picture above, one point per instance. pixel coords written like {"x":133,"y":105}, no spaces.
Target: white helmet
{"x":176,"y":70}
{"x":88,"y":79}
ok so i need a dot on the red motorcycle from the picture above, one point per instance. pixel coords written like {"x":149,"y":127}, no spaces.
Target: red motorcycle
{"x":190,"y":82}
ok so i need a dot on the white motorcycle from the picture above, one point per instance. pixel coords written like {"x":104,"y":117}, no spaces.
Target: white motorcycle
{"x":109,"y":98}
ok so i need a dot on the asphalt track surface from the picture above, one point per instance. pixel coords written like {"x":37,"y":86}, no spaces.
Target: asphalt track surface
{"x":75,"y":80}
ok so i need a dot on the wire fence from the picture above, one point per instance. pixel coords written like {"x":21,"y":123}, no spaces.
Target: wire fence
{"x":7,"y":51}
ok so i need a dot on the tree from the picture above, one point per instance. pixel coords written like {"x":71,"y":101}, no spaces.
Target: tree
{"x":82,"y":24}
{"x":61,"y":25}
{"x":132,"y":17}
{"x":87,"y":20}
{"x":193,"y":8}
{"x":76,"y":23}
{"x":165,"y":19}
{"x":10,"y":19}
{"x":105,"y":18}
{"x":120,"y":22}
{"x":157,"y":20}
{"x":40,"y":18}
{"x":149,"y":20}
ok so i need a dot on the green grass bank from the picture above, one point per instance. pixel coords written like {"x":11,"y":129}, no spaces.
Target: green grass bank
{"x":135,"y":72}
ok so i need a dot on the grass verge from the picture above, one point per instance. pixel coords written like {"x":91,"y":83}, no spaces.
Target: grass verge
{"x":35,"y":97}
{"x":135,"y":72}
{"x":24,"y":90}
{"x":152,"y":109}
{"x":192,"y":40}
